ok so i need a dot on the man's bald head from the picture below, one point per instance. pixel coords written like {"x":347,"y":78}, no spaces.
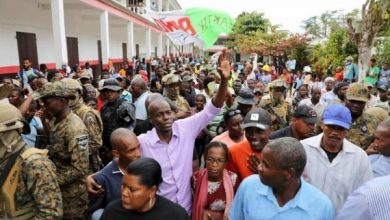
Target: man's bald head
{"x":138,"y":81}
{"x":125,"y":146}
{"x":157,"y":104}
{"x":117,"y":137}
{"x":152,"y":97}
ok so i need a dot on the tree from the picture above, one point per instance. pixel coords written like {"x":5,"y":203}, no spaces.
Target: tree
{"x":312,"y":26}
{"x":319,"y":26}
{"x":250,"y":22}
{"x":334,"y":50}
{"x":373,"y":16}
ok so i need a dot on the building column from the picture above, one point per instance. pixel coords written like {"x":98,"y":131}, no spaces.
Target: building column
{"x":58,"y":25}
{"x":104,"y":37}
{"x":130,"y":40}
{"x":160,"y":5}
{"x":147,"y":4}
{"x":168,"y":42}
{"x":148,"y":39}
{"x":160,"y":45}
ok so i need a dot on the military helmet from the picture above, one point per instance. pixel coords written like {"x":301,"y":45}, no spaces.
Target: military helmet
{"x":357,"y":91}
{"x":278,"y":83}
{"x":54,"y":89}
{"x":170,"y":78}
{"x":72,"y":85}
{"x":4,"y":90}
{"x":10,"y":117}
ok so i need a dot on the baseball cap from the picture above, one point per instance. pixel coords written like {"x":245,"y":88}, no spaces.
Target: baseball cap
{"x":110,"y":84}
{"x":307,"y":69}
{"x":258,"y":118}
{"x":84,"y":75}
{"x":258,"y":91}
{"x":357,"y":91}
{"x":187,"y":78}
{"x":307,"y":113}
{"x":337,"y":115}
{"x":246,"y":97}
{"x":383,"y":87}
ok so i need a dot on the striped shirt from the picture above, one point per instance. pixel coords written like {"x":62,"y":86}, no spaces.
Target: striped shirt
{"x":348,"y":170}
{"x":370,"y":201}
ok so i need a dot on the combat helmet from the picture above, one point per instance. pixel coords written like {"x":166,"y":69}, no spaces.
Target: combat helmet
{"x":278,"y":83}
{"x":10,"y":118}
{"x":72,"y":85}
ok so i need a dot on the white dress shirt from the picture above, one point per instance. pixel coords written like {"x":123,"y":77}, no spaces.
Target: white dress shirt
{"x":319,"y":107}
{"x":140,"y":109}
{"x":348,"y":170}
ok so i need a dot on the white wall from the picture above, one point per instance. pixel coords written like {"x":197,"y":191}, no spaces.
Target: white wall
{"x":24,"y":16}
{"x":29,"y":16}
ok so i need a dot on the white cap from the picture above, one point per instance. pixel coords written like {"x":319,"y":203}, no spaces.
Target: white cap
{"x":307,"y":69}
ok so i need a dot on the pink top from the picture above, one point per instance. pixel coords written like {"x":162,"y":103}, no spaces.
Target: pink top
{"x":175,"y":158}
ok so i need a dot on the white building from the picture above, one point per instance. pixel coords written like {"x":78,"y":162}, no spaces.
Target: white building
{"x":59,"y":32}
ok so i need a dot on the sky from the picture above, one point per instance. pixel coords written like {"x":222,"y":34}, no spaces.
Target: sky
{"x":288,"y":13}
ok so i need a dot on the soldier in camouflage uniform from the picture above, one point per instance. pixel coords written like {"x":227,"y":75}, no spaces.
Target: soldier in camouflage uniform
{"x":68,"y":148}
{"x":35,"y":194}
{"x":276,"y":105}
{"x":363,"y":124}
{"x":171,"y":83}
{"x":92,"y":121}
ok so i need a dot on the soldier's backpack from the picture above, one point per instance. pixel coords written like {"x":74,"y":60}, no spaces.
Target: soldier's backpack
{"x":9,"y":178}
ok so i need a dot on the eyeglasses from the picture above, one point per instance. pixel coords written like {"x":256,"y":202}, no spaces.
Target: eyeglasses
{"x":212,"y":160}
{"x":233,"y":113}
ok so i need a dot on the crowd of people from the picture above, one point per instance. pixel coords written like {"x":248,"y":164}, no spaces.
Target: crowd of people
{"x":181,"y":138}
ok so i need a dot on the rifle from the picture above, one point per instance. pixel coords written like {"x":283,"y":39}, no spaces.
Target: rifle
{"x":279,"y":120}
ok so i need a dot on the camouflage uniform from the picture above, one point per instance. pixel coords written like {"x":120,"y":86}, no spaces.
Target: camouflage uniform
{"x":94,"y":126}
{"x":68,"y":149}
{"x":362,"y":128}
{"x":179,"y":100}
{"x":38,"y":183}
{"x":69,"y":152}
{"x":92,"y":121}
{"x":280,"y":112}
{"x":37,"y":191}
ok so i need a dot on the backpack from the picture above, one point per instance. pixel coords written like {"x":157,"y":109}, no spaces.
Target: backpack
{"x":9,"y":179}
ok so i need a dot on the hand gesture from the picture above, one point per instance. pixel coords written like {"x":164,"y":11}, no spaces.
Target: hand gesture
{"x":94,"y":189}
{"x":253,"y":163}
{"x":224,"y":65}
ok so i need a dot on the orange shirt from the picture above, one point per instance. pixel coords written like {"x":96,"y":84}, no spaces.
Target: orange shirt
{"x":122,"y":72}
{"x":224,"y":138}
{"x":339,"y":76}
{"x":287,"y":78}
{"x":238,"y":159}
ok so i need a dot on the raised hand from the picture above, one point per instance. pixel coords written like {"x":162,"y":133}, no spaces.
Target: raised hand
{"x":224,"y":65}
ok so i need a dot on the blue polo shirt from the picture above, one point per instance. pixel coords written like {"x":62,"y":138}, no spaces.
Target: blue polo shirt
{"x":110,"y":178}
{"x":254,"y":200}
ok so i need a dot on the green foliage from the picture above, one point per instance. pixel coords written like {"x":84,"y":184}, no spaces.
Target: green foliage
{"x":250,"y":22}
{"x":383,"y":52}
{"x":334,"y":50}
{"x":300,"y":54}
{"x":319,"y":26}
